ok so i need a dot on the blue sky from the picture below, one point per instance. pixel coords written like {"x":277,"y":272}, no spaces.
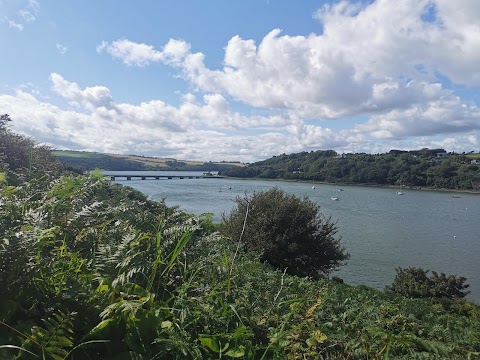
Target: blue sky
{"x":242,"y":80}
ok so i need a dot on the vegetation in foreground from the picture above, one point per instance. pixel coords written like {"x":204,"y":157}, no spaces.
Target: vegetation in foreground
{"x":91,"y":270}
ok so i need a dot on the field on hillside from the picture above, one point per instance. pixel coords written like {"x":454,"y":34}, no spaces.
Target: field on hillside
{"x":91,"y":160}
{"x":75,"y":154}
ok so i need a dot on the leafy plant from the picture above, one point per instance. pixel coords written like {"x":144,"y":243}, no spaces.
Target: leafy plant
{"x":414,"y":282}
{"x":289,"y":232}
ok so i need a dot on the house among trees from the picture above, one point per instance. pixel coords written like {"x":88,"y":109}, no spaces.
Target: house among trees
{"x":443,"y":154}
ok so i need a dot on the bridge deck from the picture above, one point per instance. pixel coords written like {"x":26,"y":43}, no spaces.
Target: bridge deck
{"x":158,"y":177}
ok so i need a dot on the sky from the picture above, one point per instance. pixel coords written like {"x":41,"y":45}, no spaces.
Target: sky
{"x":242,"y":80}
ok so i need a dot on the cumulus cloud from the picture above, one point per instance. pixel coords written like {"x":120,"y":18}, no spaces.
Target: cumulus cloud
{"x":381,"y":62}
{"x":196,"y":129}
{"x":130,"y":53}
{"x":373,"y":57}
{"x":443,"y":116}
{"x":202,"y":129}
{"x":90,"y":97}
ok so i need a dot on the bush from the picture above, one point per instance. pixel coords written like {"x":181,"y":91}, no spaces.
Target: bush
{"x":414,"y":283}
{"x":22,"y":159}
{"x":289,"y":232}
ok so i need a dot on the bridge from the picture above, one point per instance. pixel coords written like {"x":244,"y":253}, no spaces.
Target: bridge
{"x":119,"y":177}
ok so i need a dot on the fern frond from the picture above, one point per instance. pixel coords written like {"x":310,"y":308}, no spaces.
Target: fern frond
{"x":54,"y":339}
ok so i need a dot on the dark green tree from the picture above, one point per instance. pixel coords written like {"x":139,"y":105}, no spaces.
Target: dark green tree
{"x":22,"y":159}
{"x":414,"y":283}
{"x":289,"y":232}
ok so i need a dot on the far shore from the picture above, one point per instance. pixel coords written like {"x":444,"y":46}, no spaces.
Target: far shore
{"x":422,"y":188}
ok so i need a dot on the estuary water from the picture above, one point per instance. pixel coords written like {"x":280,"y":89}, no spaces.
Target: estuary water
{"x":381,"y":230}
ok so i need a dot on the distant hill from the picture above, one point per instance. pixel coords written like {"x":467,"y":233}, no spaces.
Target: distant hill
{"x":434,"y":168}
{"x":84,"y":161}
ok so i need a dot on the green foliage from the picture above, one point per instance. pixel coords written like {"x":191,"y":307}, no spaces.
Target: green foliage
{"x":105,"y":273}
{"x":414,"y":282}
{"x":289,"y":233}
{"x":416,"y":168}
{"x":82,"y":160}
{"x":90,"y":161}
{"x":53,"y":340}
{"x":91,"y":270}
{"x":22,"y":159}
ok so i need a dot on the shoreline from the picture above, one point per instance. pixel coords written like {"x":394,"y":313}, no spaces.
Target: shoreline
{"x":419,"y":188}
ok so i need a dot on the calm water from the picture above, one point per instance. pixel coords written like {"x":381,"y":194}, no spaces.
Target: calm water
{"x":380,"y":229}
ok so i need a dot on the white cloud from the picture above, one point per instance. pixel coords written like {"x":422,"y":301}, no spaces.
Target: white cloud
{"x":205,"y":129}
{"x":26,"y":14}
{"x":13,"y":25}
{"x":61,"y":49}
{"x":131,"y":53}
{"x":200,"y":130}
{"x":364,"y":61}
{"x":89,"y":98}
{"x":382,"y":62}
{"x":444,"y":116}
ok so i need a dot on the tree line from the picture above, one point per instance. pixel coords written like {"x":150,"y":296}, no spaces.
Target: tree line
{"x":418,"y":168}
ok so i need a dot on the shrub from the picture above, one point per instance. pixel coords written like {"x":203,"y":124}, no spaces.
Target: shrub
{"x":289,"y":232}
{"x":414,"y":283}
{"x":22,"y":159}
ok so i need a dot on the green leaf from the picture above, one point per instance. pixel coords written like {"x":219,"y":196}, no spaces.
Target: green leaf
{"x":236,"y":353}
{"x":166,"y":324}
{"x":103,"y":327}
{"x":102,"y":288}
{"x":214,"y":343}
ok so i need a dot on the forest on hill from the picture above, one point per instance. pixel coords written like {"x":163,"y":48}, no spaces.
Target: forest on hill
{"x":81,"y":161}
{"x":90,"y":269}
{"x":433,"y":168}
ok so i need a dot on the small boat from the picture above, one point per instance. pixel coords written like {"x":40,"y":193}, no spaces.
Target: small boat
{"x":340,"y":190}
{"x":399,"y":193}
{"x":334,"y":197}
{"x":313,"y":187}
{"x":456,"y":196}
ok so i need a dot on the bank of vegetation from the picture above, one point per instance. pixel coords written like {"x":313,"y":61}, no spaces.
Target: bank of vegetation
{"x":94,"y":270}
{"x":434,"y":168}
{"x":82,"y":161}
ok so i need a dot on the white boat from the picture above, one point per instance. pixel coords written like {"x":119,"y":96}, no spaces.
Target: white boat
{"x":399,"y":193}
{"x":334,"y":197}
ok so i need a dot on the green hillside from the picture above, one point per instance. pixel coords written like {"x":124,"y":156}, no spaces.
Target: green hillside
{"x":84,"y":161}
{"x":434,"y":168}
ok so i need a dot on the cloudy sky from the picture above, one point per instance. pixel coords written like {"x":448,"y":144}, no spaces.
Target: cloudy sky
{"x":242,"y":80}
